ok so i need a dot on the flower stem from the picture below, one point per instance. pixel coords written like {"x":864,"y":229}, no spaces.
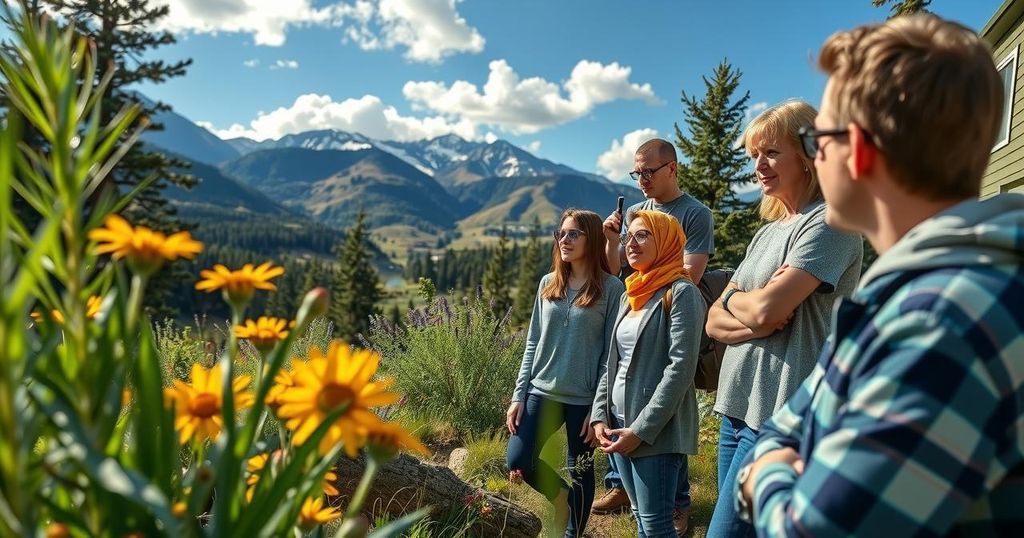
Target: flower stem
{"x":364,"y":488}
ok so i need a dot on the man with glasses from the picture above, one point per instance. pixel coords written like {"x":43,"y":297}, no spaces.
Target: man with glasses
{"x":912,"y":423}
{"x":655,"y":172}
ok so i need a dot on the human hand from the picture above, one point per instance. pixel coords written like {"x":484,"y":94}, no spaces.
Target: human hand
{"x":587,"y":433}
{"x":513,"y":416}
{"x":778,"y":273}
{"x":782,"y":455}
{"x":626,"y":443}
{"x":612,"y":225}
{"x":601,"y":434}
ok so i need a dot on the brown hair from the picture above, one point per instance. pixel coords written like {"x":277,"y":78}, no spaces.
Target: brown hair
{"x":591,"y":225}
{"x":660,"y":147}
{"x":928,"y":93}
{"x":783,"y":122}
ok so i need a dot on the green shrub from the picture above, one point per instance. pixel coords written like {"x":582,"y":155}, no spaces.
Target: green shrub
{"x":454,"y":362}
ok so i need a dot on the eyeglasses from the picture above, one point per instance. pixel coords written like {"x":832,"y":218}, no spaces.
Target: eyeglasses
{"x":646,"y":173}
{"x":641,"y":237}
{"x":569,"y":235}
{"x":809,"y":138}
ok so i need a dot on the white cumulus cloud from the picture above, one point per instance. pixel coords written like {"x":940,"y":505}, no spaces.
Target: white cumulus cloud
{"x":429,"y":30}
{"x":267,"y":20}
{"x":367,"y":115}
{"x":251,"y":63}
{"x":523,"y":106}
{"x":533,"y":147}
{"x":617,"y":161}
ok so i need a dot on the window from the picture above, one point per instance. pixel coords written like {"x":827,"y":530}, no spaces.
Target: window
{"x":1008,"y":72}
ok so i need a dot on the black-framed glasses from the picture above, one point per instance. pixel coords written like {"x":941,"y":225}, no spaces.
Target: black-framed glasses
{"x":571,"y":235}
{"x":646,"y":173}
{"x":641,"y":237}
{"x":809,"y":138}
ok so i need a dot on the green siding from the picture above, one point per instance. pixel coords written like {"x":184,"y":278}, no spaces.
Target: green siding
{"x":1006,"y":167}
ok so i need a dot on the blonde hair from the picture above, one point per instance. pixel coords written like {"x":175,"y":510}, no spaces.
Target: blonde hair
{"x":783,"y":122}
{"x":928,"y":93}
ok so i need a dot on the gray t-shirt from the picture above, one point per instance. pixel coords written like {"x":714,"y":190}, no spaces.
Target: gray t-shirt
{"x":759,"y":375}
{"x":567,"y":345}
{"x":693,"y":216}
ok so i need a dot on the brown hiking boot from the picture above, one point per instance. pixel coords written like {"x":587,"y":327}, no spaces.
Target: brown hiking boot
{"x":681,"y":520}
{"x":614,"y":501}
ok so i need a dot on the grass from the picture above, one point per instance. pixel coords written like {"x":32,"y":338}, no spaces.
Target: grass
{"x":485,"y":467}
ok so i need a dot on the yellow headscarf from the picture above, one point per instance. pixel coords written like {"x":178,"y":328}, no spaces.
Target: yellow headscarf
{"x":669,"y":240}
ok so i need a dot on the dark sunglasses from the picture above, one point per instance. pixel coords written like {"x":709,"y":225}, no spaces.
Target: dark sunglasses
{"x":809,"y":138}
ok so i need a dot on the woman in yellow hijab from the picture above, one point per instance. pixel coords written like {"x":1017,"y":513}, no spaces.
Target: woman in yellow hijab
{"x":645,"y":409}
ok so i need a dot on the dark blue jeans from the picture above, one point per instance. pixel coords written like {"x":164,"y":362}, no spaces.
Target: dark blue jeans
{"x":650,"y":482}
{"x":734,"y":441}
{"x":682,"y":496}
{"x":541,"y":419}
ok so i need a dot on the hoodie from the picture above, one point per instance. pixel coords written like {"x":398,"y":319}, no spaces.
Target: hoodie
{"x":912,"y":422}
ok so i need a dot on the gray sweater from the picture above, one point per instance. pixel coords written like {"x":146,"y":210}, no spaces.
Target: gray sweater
{"x":566,"y":346}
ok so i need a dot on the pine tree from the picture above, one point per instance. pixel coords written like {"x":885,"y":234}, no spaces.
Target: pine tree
{"x":495,"y":279}
{"x":396,"y":316}
{"x":122,"y":31}
{"x":528,"y":277}
{"x":356,"y":287}
{"x":903,"y":7}
{"x":714,"y":165}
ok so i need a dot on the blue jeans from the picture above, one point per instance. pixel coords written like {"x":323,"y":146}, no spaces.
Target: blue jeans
{"x":682,"y":498}
{"x":650,"y":482}
{"x":541,"y":419}
{"x":734,"y":441}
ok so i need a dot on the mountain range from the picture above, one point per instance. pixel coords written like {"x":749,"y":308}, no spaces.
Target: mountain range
{"x":442,"y":186}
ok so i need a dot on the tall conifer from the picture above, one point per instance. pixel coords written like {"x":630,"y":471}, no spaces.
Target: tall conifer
{"x":356,"y":288}
{"x":714,"y":165}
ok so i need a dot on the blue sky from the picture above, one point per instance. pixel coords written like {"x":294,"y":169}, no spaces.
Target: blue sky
{"x":578,"y":82}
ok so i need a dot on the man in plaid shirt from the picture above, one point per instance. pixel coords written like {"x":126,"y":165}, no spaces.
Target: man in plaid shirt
{"x":912,"y":423}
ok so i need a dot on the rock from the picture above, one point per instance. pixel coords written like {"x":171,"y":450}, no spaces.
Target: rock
{"x":457,"y":461}
{"x":405,"y":484}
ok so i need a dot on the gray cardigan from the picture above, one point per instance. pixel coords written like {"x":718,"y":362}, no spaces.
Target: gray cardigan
{"x":660,"y":403}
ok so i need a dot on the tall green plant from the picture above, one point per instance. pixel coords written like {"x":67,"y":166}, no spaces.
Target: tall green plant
{"x":88,"y":443}
{"x":454,"y":362}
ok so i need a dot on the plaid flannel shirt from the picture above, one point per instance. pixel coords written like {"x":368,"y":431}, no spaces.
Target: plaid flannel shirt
{"x":912,"y":422}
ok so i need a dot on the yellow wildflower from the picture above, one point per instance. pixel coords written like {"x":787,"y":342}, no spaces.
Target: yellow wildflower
{"x":282,"y":381}
{"x":330,"y":477}
{"x":388,"y":439}
{"x":144,"y":248}
{"x":313,"y":513}
{"x":254,"y":466}
{"x":198,"y":406}
{"x":92,"y":311}
{"x":264,"y":333}
{"x":324,"y":383}
{"x":238,"y":285}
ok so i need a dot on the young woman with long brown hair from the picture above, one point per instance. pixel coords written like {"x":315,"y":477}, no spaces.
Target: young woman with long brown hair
{"x":566,"y":346}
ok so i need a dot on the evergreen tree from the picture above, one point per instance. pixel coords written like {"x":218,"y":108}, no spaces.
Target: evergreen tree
{"x":356,"y":287}
{"x":495,"y":279}
{"x":903,"y":7}
{"x":122,"y":31}
{"x":396,"y":316}
{"x":528,"y":277}
{"x":713,"y":166}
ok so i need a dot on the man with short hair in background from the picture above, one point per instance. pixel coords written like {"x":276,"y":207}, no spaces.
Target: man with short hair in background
{"x":655,"y":171}
{"x":912,"y":422}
